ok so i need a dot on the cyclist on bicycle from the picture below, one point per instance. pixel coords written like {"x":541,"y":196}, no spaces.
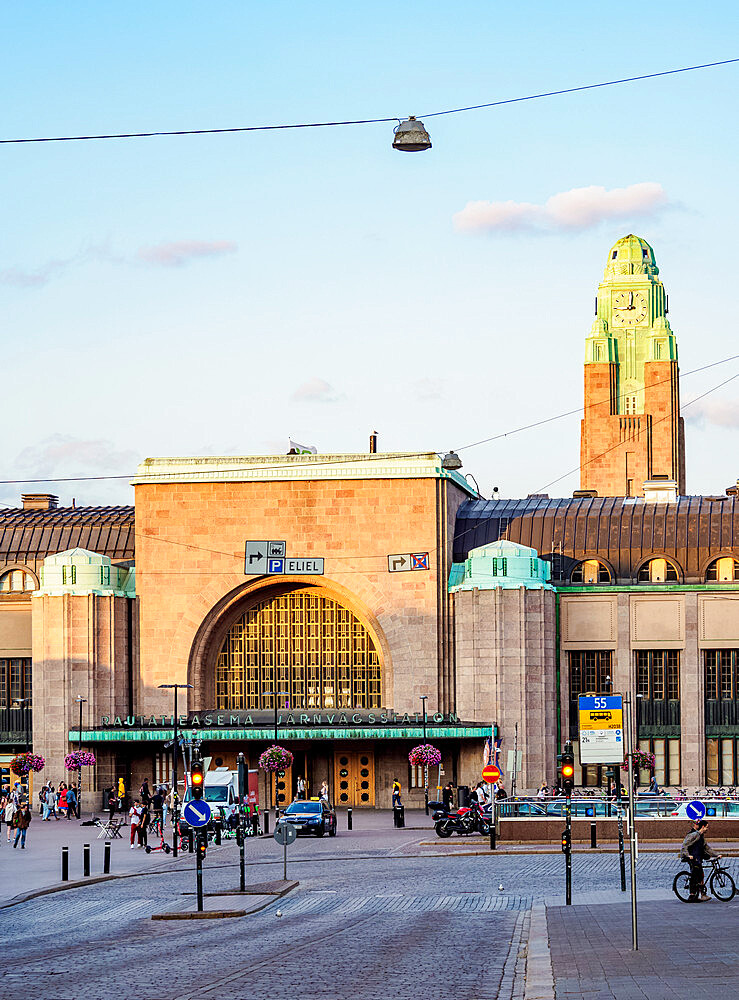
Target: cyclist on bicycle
{"x":694,"y":850}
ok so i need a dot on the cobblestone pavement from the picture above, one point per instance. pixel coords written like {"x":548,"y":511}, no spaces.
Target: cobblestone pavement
{"x":685,"y":952}
{"x":417,"y":927}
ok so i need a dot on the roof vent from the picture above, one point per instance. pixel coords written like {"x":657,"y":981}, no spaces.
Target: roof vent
{"x":579,"y":494}
{"x":39,"y":501}
{"x":660,"y":490}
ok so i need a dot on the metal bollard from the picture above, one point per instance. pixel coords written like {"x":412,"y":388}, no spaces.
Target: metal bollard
{"x":106,"y":858}
{"x":217,"y":837}
{"x":191,"y":841}
{"x":254,"y":825}
{"x":593,"y":835}
{"x":65,"y":864}
{"x":86,"y":860}
{"x":265,"y":814}
{"x":349,"y":818}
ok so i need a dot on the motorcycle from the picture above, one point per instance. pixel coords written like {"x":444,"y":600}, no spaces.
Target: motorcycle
{"x":463,"y":822}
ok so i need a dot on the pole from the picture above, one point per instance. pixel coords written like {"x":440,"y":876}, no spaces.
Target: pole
{"x":515,"y":760}
{"x":620,"y":814}
{"x":277,"y":811}
{"x":632,"y":830}
{"x":106,"y":858}
{"x":424,"y":698}
{"x":568,"y":852}
{"x":79,"y":773}
{"x":284,"y":860}
{"x":492,"y":818}
{"x":242,"y":793}
{"x":175,"y":799}
{"x":65,"y":864}
{"x":86,"y":860}
{"x":349,"y":818}
{"x":199,"y":870}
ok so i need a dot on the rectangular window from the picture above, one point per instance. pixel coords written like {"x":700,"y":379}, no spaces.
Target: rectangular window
{"x":721,"y":674}
{"x":658,"y":674}
{"x":3,"y":683}
{"x":712,"y":762}
{"x":673,"y":760}
{"x":727,"y":762}
{"x":416,"y":777}
{"x":590,"y":670}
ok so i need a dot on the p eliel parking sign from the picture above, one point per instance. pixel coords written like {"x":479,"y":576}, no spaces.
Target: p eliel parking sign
{"x":601,"y":729}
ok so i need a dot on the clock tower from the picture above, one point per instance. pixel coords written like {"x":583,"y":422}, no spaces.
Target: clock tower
{"x":632,"y":430}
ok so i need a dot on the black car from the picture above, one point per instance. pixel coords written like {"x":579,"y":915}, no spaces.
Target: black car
{"x":311,"y":817}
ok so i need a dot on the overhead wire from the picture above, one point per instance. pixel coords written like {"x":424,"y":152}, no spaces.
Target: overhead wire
{"x":367,"y":121}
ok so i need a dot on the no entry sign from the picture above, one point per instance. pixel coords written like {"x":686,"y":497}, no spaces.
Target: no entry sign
{"x":491,"y":773}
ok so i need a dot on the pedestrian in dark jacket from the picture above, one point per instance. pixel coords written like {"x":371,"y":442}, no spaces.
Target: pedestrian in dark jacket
{"x":21,"y":823}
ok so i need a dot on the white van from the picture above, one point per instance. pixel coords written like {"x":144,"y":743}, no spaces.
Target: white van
{"x":220,"y":791}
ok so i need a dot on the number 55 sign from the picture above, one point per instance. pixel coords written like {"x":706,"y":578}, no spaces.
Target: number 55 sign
{"x":601,"y":729}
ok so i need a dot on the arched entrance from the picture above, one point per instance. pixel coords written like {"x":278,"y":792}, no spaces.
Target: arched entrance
{"x":304,"y":644}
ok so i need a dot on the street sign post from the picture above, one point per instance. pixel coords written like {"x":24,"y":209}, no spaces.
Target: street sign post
{"x":601,"y":729}
{"x":196,"y":813}
{"x":408,"y":562}
{"x":695,"y":810}
{"x":285,"y":833}
{"x":491,"y":773}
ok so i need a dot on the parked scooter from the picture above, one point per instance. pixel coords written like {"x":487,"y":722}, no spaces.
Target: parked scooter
{"x":463,"y":821}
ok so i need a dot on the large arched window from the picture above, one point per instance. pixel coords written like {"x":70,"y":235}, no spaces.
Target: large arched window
{"x":723,"y":570}
{"x":658,"y":571}
{"x":301,"y":643}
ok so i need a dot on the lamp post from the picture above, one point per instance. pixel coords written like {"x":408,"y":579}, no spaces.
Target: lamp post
{"x":81,"y":701}
{"x":424,"y":699}
{"x":176,"y":747}
{"x":274,"y":695}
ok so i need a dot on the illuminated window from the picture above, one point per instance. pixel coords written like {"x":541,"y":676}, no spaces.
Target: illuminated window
{"x":16,"y":581}
{"x":658,"y":571}
{"x":15,"y":681}
{"x":591,"y":571}
{"x":723,"y":570}
{"x":302,"y":643}
{"x":590,"y":671}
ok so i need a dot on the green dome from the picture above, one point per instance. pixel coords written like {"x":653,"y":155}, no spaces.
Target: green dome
{"x":631,"y":255}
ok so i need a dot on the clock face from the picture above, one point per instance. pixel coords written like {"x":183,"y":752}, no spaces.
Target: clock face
{"x":629,"y":308}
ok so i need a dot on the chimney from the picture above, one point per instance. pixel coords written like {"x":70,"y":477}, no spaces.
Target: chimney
{"x":373,"y":443}
{"x":39,"y":501}
{"x":660,"y":489}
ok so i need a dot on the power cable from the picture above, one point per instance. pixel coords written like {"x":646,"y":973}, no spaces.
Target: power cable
{"x":368,"y":121}
{"x":382,"y":456}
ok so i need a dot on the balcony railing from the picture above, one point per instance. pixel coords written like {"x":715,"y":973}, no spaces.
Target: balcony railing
{"x":15,"y":723}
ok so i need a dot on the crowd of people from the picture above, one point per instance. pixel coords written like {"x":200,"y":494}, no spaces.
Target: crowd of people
{"x":16,"y":814}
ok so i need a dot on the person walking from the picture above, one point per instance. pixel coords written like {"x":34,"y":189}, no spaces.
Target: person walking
{"x":143,"y":824}
{"x":694,"y":850}
{"x":396,"y":794}
{"x":157,"y":810}
{"x":447,"y":796}
{"x":300,"y":785}
{"x":324,"y":791}
{"x":21,"y":823}
{"x":72,"y":812}
{"x":144,"y":792}
{"x":134,"y":813}
{"x":543,"y":790}
{"x":9,"y":812}
{"x":480,"y":793}
{"x":63,"y":799}
{"x":164,"y":792}
{"x":112,"y":803}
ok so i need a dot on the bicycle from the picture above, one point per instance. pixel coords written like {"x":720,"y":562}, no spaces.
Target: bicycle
{"x":720,"y":883}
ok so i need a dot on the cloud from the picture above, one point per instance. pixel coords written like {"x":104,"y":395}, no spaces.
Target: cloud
{"x":185,"y":251}
{"x":429,"y":388}
{"x":577,"y":209}
{"x":719,"y":412}
{"x":316,"y":390}
{"x":66,"y":456}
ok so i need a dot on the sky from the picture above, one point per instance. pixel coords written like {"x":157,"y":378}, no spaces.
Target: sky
{"x":221,"y":294}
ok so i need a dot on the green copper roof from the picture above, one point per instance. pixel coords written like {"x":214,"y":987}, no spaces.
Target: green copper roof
{"x":631,"y":255}
{"x":502,"y":564}
{"x":81,"y":571}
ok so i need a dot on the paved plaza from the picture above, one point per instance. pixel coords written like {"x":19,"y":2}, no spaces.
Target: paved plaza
{"x":374,"y":912}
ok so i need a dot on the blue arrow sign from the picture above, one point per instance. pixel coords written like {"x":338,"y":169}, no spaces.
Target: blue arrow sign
{"x":695,"y":810}
{"x":196,"y":813}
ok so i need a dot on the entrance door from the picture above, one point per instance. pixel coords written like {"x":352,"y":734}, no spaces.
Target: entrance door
{"x":354,"y":778}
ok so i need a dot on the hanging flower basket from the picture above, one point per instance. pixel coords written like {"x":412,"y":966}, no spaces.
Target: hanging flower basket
{"x":276,"y":758}
{"x":25,"y":762}
{"x":78,"y":759}
{"x":643,"y":760}
{"x":424,"y":755}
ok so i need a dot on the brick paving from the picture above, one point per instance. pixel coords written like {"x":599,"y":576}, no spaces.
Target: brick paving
{"x":689,"y":952}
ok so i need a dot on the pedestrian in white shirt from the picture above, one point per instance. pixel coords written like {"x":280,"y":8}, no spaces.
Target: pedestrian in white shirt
{"x":134,"y":816}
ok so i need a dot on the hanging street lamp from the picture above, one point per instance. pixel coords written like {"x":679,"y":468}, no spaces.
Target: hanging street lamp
{"x":411,"y":136}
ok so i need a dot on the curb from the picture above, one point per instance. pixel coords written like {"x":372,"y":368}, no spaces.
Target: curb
{"x":216,"y":914}
{"x":539,"y":983}
{"x":212,"y":915}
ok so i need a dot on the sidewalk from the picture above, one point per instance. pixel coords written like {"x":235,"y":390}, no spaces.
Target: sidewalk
{"x":685,"y":952}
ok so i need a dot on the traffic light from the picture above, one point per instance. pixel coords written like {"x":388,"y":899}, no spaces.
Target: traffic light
{"x":566,"y":842}
{"x":196,"y":779}
{"x":201,"y":846}
{"x":567,"y":769}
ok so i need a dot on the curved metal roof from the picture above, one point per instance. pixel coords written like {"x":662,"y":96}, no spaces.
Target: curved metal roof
{"x":27,"y":535}
{"x":622,"y":531}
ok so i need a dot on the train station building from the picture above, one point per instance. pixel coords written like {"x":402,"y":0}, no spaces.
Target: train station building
{"x":329,"y":601}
